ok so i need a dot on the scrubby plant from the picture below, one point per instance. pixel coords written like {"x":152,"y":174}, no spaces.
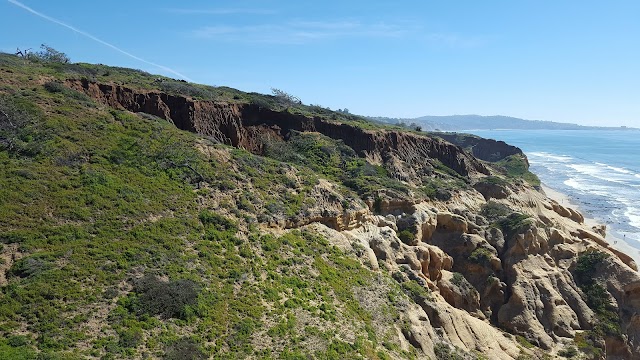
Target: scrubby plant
{"x":54,"y":87}
{"x":524,"y":342}
{"x":184,"y":348}
{"x":406,"y":236}
{"x":446,"y":352}
{"x":48,"y":54}
{"x":511,"y":224}
{"x":494,"y":180}
{"x":481,"y":255}
{"x":417,"y":292}
{"x":57,"y":87}
{"x":285,"y":98}
{"x":458,"y":279}
{"x":568,"y":352}
{"x":169,"y":299}
{"x":181,"y":87}
{"x":439,"y":188}
{"x":18,"y":133}
{"x":517,"y":167}
{"x":30,"y":266}
{"x":494,"y":211}
{"x":597,"y":298}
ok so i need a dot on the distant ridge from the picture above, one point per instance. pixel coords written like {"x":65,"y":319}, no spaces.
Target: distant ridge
{"x":478,"y":122}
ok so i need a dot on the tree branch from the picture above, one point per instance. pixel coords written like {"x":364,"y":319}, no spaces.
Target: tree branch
{"x":8,"y":119}
{"x":188,"y":166}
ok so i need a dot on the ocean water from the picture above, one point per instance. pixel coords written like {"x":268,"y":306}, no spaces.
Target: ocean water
{"x":599,"y":170}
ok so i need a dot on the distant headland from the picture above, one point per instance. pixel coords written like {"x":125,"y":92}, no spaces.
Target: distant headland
{"x":478,"y":122}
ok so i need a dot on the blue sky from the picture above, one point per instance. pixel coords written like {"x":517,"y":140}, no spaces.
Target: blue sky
{"x":569,"y":61}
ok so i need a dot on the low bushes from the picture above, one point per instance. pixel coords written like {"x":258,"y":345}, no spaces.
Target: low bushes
{"x":172,"y":299}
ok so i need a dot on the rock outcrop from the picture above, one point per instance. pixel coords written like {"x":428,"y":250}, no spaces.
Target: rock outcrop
{"x":484,"y":149}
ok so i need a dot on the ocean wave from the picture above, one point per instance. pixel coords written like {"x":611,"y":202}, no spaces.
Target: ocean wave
{"x":616,"y":169}
{"x":603,"y":173}
{"x":587,"y":187}
{"x":549,"y":156}
{"x":576,"y":184}
{"x":633,"y":214}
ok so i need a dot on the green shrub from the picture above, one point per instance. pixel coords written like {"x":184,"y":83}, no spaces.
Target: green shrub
{"x":130,"y":337}
{"x":586,"y":265}
{"x":445,"y":352}
{"x":586,"y":341}
{"x":441,"y":188}
{"x":30,"y":266}
{"x":481,"y":255}
{"x":512,"y":224}
{"x":54,"y":87}
{"x":596,"y":296}
{"x":179,"y":87}
{"x":524,"y":342}
{"x":407,"y":237}
{"x":49,"y":55}
{"x":569,"y":352}
{"x":219,"y":222}
{"x":18,"y":340}
{"x":184,"y":349}
{"x":494,"y":180}
{"x":416,"y":291}
{"x":458,"y":279}
{"x":168,"y":299}
{"x":18,"y":133}
{"x":494,"y":211}
{"x":517,"y":167}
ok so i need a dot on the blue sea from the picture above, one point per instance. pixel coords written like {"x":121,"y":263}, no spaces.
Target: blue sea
{"x":599,"y":170}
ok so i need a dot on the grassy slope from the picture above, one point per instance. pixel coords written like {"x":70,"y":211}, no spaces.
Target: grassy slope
{"x":101,"y":219}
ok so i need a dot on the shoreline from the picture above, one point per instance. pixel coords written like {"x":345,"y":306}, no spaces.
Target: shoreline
{"x":615,"y":242}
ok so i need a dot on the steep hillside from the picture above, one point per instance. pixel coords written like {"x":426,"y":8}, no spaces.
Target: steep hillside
{"x":144,"y":217}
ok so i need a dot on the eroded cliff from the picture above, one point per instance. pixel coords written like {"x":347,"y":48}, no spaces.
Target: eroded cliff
{"x":244,"y":125}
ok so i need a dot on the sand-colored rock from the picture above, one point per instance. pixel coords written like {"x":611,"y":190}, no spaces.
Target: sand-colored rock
{"x":451,"y":223}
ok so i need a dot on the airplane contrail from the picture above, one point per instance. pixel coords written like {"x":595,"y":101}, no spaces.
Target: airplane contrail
{"x":56,"y":21}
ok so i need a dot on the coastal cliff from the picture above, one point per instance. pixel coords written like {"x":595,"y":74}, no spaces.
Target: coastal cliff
{"x":170,"y":226}
{"x":241,"y":125}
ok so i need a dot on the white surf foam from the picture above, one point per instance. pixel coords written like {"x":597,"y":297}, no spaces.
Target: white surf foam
{"x":603,"y":172}
{"x":549,"y":156}
{"x":633,"y":214}
{"x":616,"y":169}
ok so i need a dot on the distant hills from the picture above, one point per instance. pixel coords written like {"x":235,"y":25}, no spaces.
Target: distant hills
{"x":478,"y":122}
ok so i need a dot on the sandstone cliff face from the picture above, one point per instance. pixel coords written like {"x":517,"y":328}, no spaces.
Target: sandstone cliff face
{"x":243,"y":125}
{"x":484,"y":149}
{"x":483,"y":280}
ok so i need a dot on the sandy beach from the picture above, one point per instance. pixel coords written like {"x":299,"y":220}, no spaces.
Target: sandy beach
{"x":618,"y":244}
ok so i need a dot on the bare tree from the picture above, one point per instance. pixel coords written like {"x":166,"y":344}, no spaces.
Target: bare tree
{"x":285,"y":97}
